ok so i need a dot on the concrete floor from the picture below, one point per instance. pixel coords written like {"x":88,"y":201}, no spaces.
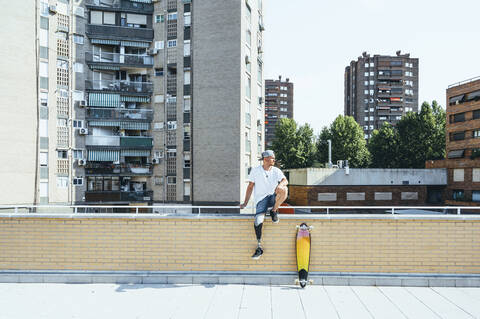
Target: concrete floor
{"x":234,"y":301}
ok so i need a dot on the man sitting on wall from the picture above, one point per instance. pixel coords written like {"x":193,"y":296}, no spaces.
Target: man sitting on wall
{"x":271,"y":190}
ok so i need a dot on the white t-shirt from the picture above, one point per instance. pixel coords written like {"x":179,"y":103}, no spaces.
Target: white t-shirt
{"x":265,"y":181}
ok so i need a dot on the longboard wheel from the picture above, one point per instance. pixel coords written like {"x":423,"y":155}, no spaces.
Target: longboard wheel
{"x":310,"y":227}
{"x":298,"y":226}
{"x":296,"y":281}
{"x":310,"y":281}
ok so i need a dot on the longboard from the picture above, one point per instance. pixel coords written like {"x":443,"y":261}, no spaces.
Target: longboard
{"x":303,"y":240}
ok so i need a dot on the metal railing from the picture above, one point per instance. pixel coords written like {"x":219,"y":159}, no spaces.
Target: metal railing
{"x":119,"y":86}
{"x":119,"y":169}
{"x":119,"y":114}
{"x":136,"y":6}
{"x":119,"y":58}
{"x":305,"y":211}
{"x":116,"y":32}
{"x":464,"y":82}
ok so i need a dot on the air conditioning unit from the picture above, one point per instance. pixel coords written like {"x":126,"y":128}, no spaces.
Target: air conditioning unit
{"x":83,"y":131}
{"x":81,"y":162}
{"x":155,"y":160}
{"x":152,"y":51}
{"x":261,"y":27}
{"x":260,"y":100}
{"x":82,"y":103}
{"x":260,"y":49}
{"x":247,"y":59}
{"x":52,"y":9}
{"x":340,"y":164}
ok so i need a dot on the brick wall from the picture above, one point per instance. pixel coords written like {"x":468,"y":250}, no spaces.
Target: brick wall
{"x":226,"y":244}
{"x":308,"y":195}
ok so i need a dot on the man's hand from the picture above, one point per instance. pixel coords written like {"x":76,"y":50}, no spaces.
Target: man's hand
{"x":242,"y":206}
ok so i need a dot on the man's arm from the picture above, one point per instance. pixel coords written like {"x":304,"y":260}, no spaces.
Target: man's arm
{"x":283,"y":183}
{"x":247,"y":195}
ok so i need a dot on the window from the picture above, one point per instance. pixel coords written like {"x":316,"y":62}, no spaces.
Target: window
{"x":476,"y":133}
{"x":372,"y":82}
{"x":43,"y":23}
{"x":365,"y":92}
{"x":248,"y":37}
{"x":365,"y":83}
{"x":366,"y":65}
{"x":77,"y":123}
{"x":172,"y":43}
{"x":109,"y":18}
{"x":187,"y":19}
{"x":248,"y":87}
{"x":186,"y":161}
{"x":248,"y":15}
{"x":62,"y":154}
{"x":61,"y":123}
{"x":172,"y":16}
{"x":171,"y":180}
{"x":458,"y":175}
{"x":366,"y":119}
{"x":62,"y":182}
{"x":458,"y":194}
{"x":78,"y":67}
{"x":78,"y":181}
{"x":186,"y":131}
{"x":186,"y":48}
{"x":43,"y":69}
{"x":43,"y":158}
{"x":460,"y":117}
{"x":371,"y":118}
{"x":366,"y":73}
{"x":408,"y":73}
{"x":159,"y":18}
{"x":159,"y":45}
{"x":371,"y":127}
{"x":78,"y":39}
{"x":476,"y":114}
{"x":77,"y":154}
{"x":158,"y":71}
{"x":172,"y":125}
{"x":396,"y":63}
{"x":371,"y":92}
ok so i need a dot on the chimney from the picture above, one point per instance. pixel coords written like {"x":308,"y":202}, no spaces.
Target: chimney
{"x":288,"y":80}
{"x":280,"y":78}
{"x":399,"y":52}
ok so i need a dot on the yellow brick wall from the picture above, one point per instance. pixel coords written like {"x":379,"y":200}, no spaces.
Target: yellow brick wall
{"x":226,"y":244}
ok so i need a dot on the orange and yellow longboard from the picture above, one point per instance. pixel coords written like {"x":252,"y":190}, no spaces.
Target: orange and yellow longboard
{"x":303,"y":241}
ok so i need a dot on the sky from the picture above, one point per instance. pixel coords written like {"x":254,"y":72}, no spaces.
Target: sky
{"x":311,"y":42}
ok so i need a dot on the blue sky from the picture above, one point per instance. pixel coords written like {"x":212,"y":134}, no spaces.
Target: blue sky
{"x":313,"y":46}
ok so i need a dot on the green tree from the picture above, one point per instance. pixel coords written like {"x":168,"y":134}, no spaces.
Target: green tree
{"x":348,"y":142}
{"x":383,"y":146}
{"x":294,"y":146}
{"x":421,"y":136}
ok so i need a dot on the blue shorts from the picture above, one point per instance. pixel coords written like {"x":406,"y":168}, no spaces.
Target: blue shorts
{"x":265,"y":203}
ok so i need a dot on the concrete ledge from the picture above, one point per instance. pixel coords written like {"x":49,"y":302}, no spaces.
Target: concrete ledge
{"x":248,"y":278}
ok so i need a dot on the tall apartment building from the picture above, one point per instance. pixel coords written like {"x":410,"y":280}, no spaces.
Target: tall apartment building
{"x":145,"y":101}
{"x":462,"y":143}
{"x":380,"y":89}
{"x":278,"y":104}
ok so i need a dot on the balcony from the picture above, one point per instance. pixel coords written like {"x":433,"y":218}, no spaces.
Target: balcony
{"x":137,"y":142}
{"x":111,"y":141}
{"x":138,"y":88}
{"x":121,"y":169}
{"x":118,"y":33}
{"x":119,"y":114}
{"x":172,"y":84}
{"x":118,"y":196}
{"x":118,"y":59}
{"x":118,"y":5}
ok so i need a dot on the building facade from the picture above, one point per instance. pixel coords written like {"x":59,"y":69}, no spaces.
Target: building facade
{"x":462,"y":143}
{"x":380,"y":89}
{"x":145,"y":101}
{"x":366,"y":186}
{"x":278,"y":105}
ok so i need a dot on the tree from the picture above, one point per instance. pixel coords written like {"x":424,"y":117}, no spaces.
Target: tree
{"x":421,"y":136}
{"x":383,"y":146}
{"x":294,"y":147}
{"x":348,"y":142}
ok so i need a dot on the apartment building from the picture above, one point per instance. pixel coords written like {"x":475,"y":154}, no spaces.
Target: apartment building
{"x":380,"y":89}
{"x":18,"y":98}
{"x":278,"y":105}
{"x":462,"y":143}
{"x":145,"y":101}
